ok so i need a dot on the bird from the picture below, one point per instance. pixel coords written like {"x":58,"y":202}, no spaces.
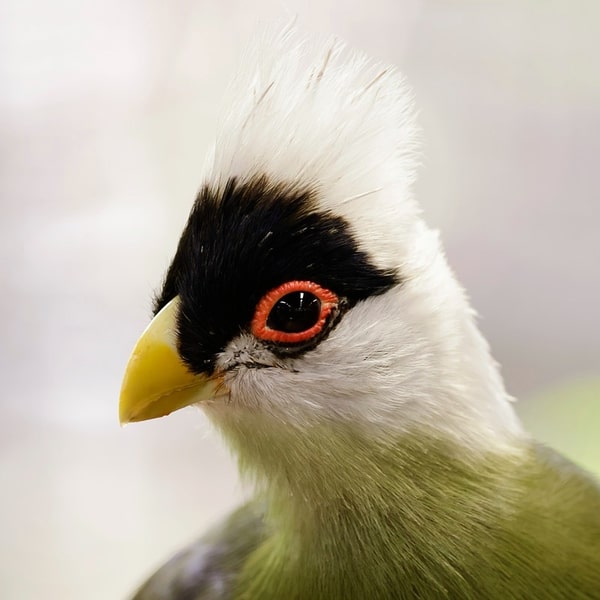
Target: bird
{"x":311,"y":313}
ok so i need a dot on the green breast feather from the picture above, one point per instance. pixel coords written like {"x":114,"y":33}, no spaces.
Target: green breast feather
{"x":445,"y":529}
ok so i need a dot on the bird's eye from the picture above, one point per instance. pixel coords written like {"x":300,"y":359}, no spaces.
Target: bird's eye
{"x":294,"y":312}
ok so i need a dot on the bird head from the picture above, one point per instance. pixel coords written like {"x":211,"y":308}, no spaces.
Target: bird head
{"x":306,"y":292}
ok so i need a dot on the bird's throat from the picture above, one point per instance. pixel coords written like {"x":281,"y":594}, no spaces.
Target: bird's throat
{"x":361,"y":505}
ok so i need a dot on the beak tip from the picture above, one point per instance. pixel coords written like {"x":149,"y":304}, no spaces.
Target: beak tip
{"x":124,"y":419}
{"x":124,"y":409}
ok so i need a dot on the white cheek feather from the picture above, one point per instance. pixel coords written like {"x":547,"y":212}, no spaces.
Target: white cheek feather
{"x":313,"y":114}
{"x":399,"y":362}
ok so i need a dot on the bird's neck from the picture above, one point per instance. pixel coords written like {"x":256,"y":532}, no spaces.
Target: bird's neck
{"x":363,"y":503}
{"x":325,"y":469}
{"x":305,"y":470}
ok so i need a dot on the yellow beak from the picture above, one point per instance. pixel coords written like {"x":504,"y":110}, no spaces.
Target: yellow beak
{"x":156,"y":380}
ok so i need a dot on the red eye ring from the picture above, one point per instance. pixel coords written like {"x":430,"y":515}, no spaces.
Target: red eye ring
{"x":261,"y":330}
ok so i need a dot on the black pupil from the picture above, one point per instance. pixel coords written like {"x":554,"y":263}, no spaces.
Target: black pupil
{"x":295,"y":312}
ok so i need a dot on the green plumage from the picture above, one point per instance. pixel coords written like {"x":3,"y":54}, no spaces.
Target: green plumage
{"x":424,"y":520}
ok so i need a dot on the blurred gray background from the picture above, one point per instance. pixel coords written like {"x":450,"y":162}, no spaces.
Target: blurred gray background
{"x":106,"y":110}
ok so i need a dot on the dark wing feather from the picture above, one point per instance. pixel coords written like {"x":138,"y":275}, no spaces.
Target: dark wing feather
{"x":207,"y":569}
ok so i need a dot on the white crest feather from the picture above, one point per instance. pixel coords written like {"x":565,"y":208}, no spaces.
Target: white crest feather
{"x":311,"y":112}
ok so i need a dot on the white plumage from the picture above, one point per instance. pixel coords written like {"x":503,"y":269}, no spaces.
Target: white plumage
{"x":314,"y":114}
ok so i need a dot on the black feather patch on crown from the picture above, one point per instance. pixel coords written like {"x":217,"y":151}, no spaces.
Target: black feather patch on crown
{"x":245,"y":239}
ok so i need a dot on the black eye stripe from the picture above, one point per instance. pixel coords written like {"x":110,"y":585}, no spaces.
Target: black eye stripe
{"x":246,"y":239}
